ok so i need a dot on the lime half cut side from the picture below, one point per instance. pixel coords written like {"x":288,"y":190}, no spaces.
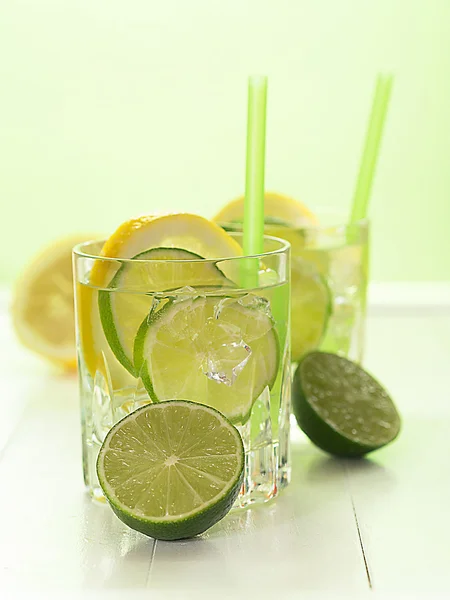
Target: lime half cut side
{"x":171,"y":470}
{"x":342,"y":408}
{"x":310,"y":307}
{"x":218,"y":350}
{"x":155,"y":270}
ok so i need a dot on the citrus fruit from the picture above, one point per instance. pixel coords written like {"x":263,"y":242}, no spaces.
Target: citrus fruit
{"x":182,"y":231}
{"x":218,"y":350}
{"x":310,"y":307}
{"x":42,"y":304}
{"x":171,"y":470}
{"x":340,"y":407}
{"x":122,"y":311}
{"x":284,"y":209}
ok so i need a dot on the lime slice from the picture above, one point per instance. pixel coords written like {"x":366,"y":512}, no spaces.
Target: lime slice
{"x":121,"y":313}
{"x":171,"y":470}
{"x":220,"y":351}
{"x":340,"y":407}
{"x":347,"y":271}
{"x":310,"y":307}
{"x":310,"y":296}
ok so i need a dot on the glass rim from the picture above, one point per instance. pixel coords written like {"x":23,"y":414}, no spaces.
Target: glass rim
{"x":340,"y":220}
{"x":341,"y":214}
{"x":338,"y":226}
{"x":77,"y":251}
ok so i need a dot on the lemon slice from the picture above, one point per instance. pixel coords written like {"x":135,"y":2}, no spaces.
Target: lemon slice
{"x":182,"y":231}
{"x":42,"y":306}
{"x":277,"y":206}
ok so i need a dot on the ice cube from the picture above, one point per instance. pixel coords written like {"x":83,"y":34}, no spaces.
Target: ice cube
{"x":226,"y":353}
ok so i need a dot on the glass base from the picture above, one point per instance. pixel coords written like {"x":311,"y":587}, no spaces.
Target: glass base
{"x":264,"y":476}
{"x":266,"y":435}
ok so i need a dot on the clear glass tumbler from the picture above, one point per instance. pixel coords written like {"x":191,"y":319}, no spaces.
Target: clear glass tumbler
{"x":213,"y":331}
{"x":329,"y":280}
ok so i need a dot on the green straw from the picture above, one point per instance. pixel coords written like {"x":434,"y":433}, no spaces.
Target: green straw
{"x":371,"y":148}
{"x":253,"y":239}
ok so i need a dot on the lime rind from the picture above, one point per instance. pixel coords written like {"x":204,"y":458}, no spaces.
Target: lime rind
{"x":143,"y":302}
{"x":198,"y":519}
{"x":139,"y":349}
{"x":110,"y":331}
{"x":341,"y":408}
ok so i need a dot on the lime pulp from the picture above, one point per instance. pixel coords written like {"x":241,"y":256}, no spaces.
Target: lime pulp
{"x":123,"y":308}
{"x":222,"y":351}
{"x":171,"y":470}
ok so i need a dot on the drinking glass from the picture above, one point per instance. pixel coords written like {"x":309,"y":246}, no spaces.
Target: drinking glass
{"x":214,"y":331}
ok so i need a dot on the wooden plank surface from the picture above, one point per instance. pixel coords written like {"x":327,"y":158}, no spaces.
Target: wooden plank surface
{"x":410,"y":356}
{"x":402,"y":493}
{"x":307,"y":540}
{"x":59,"y":539}
{"x":308,"y":543}
{"x":18,"y":371}
{"x":402,"y":499}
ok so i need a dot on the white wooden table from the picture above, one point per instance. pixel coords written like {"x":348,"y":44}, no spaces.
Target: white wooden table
{"x":353,"y":529}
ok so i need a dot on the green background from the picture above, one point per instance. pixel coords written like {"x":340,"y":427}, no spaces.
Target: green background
{"x":110,"y":109}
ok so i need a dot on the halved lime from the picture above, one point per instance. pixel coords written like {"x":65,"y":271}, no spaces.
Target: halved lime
{"x":340,"y":407}
{"x":171,"y":470}
{"x":219,"y":350}
{"x":310,"y":307}
{"x":122,"y":311}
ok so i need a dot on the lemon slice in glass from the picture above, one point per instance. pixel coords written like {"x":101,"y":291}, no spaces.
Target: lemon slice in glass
{"x":182,"y":231}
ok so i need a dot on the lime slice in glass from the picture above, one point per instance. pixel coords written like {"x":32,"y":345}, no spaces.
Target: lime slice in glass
{"x":310,"y":307}
{"x":171,"y":470}
{"x":340,"y":407}
{"x":121,"y":312}
{"x":310,"y":295}
{"x":218,"y":350}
